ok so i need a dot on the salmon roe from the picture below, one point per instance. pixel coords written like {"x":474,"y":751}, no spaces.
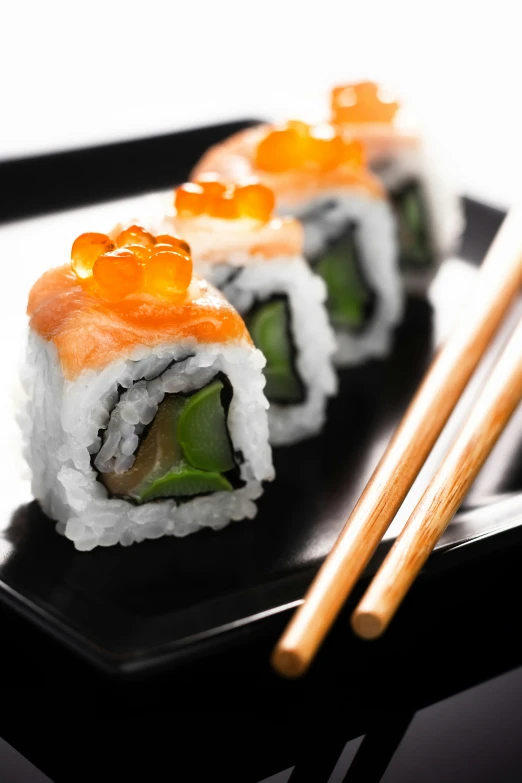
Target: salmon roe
{"x":255,"y":201}
{"x":362,"y":102}
{"x":298,"y":145}
{"x":209,"y":196}
{"x":166,"y":239}
{"x":135,"y":235}
{"x":118,"y":274}
{"x":212,"y":186}
{"x":168,"y":270}
{"x":223,"y":207}
{"x":190,"y":199}
{"x":141,"y":252}
{"x":136,"y":262}
{"x":281,"y":149}
{"x":86,"y":249}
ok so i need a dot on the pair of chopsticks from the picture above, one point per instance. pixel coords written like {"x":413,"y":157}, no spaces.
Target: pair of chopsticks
{"x":498,"y":283}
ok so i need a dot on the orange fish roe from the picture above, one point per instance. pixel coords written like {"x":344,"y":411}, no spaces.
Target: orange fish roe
{"x":140,"y":251}
{"x":224,"y":207}
{"x":209,"y":196}
{"x":255,"y":201}
{"x":118,"y":274}
{"x":211,"y":185}
{"x":300,"y":146}
{"x":166,"y":239}
{"x":190,"y":199}
{"x":136,"y":267}
{"x":280,"y":149}
{"x":362,"y":102}
{"x":86,"y":249}
{"x":324,"y":147}
{"x":168,"y":271}
{"x":135,"y":235}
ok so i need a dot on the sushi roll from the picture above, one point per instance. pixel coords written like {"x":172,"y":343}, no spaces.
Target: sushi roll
{"x":145,"y":414}
{"x":428,"y":213}
{"x":350,"y":240}
{"x":256,"y":260}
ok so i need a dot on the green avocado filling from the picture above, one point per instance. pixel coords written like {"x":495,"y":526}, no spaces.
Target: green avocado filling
{"x":269,"y":327}
{"x":185,"y":452}
{"x":350,"y":300}
{"x":415,"y":246}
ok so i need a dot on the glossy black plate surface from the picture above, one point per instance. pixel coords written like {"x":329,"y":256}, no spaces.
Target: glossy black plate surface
{"x":128,"y":609}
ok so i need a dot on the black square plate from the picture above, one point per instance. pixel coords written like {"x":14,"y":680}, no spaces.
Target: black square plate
{"x":130,"y":609}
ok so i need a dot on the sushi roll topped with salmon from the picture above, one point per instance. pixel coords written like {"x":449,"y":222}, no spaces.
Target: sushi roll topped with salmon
{"x":295,"y":160}
{"x":256,"y":259}
{"x":214,"y":214}
{"x":375,"y":117}
{"x":429,"y":215}
{"x":319,"y":176}
{"x":145,"y":414}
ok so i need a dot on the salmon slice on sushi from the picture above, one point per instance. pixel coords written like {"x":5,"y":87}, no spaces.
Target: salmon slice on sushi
{"x":320,"y":178}
{"x":428,"y":212}
{"x":146,"y":414}
{"x":256,"y":259}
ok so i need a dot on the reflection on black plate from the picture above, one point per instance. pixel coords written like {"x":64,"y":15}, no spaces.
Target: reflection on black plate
{"x":127,"y":609}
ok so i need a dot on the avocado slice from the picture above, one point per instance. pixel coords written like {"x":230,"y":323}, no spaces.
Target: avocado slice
{"x":202,"y":431}
{"x":282,"y":385}
{"x":269,"y":328}
{"x":183,"y":482}
{"x":414,"y":240}
{"x":349,"y":298}
{"x":184,"y":429}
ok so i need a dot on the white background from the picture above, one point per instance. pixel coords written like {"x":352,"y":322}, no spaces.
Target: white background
{"x":78,"y":73}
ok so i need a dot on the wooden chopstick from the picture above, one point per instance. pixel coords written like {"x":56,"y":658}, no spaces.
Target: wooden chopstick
{"x":438,"y":504}
{"x":497,"y":285}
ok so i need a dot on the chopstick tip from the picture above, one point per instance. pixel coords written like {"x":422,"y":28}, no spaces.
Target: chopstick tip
{"x":367,"y":625}
{"x":288,"y":663}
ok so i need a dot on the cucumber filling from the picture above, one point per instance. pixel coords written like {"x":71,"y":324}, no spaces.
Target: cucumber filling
{"x":269,"y":327}
{"x":186,"y":452}
{"x":350,"y":301}
{"x":416,"y":251}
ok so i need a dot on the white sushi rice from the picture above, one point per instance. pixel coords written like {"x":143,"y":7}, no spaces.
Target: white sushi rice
{"x":251,"y":279}
{"x":443,"y":207}
{"x":324,"y":217}
{"x":63,"y":419}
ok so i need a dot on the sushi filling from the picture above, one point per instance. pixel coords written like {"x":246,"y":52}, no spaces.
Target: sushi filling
{"x":416,"y":251}
{"x":186,"y":451}
{"x":350,"y":301}
{"x":270,"y":326}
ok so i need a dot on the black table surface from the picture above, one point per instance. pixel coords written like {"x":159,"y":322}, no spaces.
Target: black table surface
{"x":440,"y":698}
